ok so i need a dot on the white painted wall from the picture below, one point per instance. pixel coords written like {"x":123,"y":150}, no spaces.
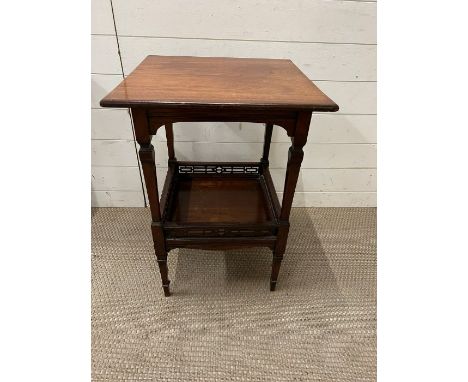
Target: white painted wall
{"x":332,"y":41}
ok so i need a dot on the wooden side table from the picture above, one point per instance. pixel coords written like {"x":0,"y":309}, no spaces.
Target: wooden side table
{"x":214,"y":205}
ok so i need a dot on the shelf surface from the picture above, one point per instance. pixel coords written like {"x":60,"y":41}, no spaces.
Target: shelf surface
{"x":219,"y":200}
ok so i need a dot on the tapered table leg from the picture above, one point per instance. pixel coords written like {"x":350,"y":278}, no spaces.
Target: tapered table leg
{"x":170,"y":142}
{"x":295,"y":156}
{"x":147,"y":159}
{"x":266,"y":144}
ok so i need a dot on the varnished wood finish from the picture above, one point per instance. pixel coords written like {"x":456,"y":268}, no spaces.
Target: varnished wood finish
{"x":219,"y":205}
{"x":146,"y":154}
{"x":295,"y":156}
{"x":170,"y":142}
{"x":221,"y":243}
{"x":271,"y":191}
{"x":218,"y":200}
{"x":267,"y":143}
{"x":163,"y":115}
{"x":176,"y":81}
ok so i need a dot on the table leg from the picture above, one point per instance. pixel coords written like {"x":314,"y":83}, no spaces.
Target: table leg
{"x":275,"y":267}
{"x":295,"y":156}
{"x":147,"y":159}
{"x":161,"y":255}
{"x":170,"y":141}
{"x":266,"y":143}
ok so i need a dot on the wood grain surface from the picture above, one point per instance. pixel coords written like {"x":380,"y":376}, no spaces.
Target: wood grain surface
{"x":202,"y":200}
{"x":212,"y":81}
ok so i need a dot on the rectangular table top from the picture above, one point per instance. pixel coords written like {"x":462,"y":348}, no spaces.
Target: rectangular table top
{"x":218,"y":82}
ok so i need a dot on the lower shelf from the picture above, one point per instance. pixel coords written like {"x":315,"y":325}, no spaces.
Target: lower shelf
{"x":219,"y":200}
{"x":215,"y":200}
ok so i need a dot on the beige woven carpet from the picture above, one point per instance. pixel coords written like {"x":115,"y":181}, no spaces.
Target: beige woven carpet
{"x":222,"y":323}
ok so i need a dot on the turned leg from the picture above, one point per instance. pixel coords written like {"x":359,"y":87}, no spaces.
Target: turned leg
{"x":161,"y":256}
{"x":266,"y":144}
{"x":162,"y":262}
{"x":292,"y":173}
{"x":295,"y":156}
{"x":275,"y":268}
{"x":170,"y":142}
{"x":278,"y":252}
{"x":147,"y":159}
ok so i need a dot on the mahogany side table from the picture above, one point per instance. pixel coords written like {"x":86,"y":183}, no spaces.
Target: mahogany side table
{"x":214,"y":205}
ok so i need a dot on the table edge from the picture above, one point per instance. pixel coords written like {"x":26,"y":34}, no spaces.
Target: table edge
{"x":109,"y":103}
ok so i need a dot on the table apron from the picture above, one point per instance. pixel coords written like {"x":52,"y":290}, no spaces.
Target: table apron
{"x":160,"y":117}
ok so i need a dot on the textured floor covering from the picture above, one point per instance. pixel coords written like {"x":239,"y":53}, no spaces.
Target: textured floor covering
{"x":222,"y":323}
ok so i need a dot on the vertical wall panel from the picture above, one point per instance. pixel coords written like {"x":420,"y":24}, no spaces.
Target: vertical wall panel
{"x":338,"y":62}
{"x":105,"y":55}
{"x":111,"y":124}
{"x":115,"y":175}
{"x":332,"y":41}
{"x":113,"y":153}
{"x":101,"y":84}
{"x":277,"y":20}
{"x":117,"y":199}
{"x":101,"y":17}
